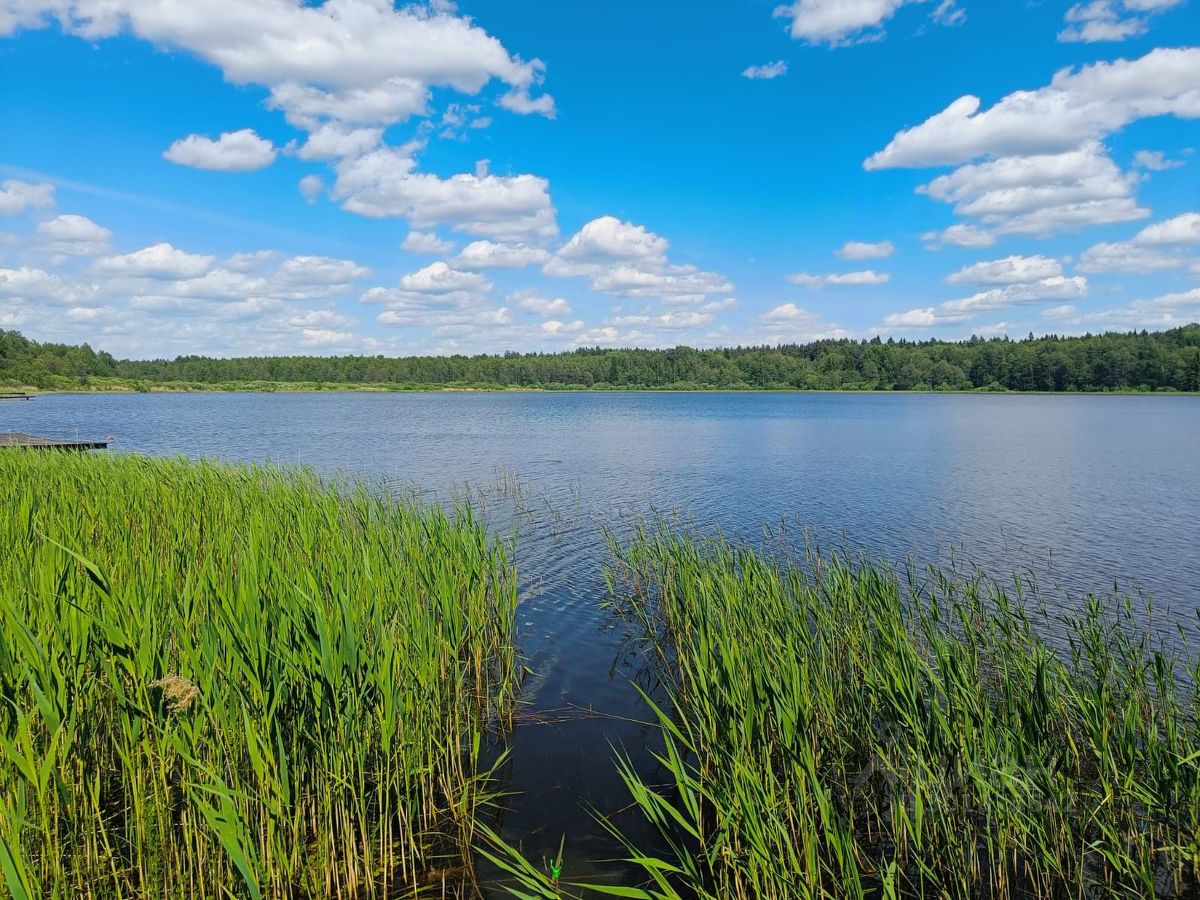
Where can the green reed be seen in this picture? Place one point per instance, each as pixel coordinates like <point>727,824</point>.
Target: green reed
<point>226,680</point>
<point>837,731</point>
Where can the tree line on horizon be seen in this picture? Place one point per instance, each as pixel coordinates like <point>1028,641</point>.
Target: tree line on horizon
<point>1140,360</point>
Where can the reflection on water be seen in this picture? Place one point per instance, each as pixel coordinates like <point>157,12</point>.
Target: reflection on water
<point>1083,491</point>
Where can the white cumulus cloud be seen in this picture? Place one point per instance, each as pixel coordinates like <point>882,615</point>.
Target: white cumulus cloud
<point>353,60</point>
<point>1110,20</point>
<point>18,196</point>
<point>156,261</point>
<point>1075,108</point>
<point>233,151</point>
<point>73,235</point>
<point>1155,161</point>
<point>426,243</point>
<point>815,282</point>
<point>959,235</point>
<point>490,255</point>
<point>1041,194</point>
<point>766,71</point>
<point>1181,229</point>
<point>311,188</point>
<point>385,182</point>
<point>858,250</point>
<point>628,260</point>
<point>840,22</point>
<point>535,303</point>
<point>1010,270</point>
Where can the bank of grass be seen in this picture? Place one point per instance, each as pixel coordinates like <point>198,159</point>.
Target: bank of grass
<point>220,680</point>
<point>836,731</point>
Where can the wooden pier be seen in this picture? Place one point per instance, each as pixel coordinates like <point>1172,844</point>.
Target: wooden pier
<point>32,442</point>
<point>14,395</point>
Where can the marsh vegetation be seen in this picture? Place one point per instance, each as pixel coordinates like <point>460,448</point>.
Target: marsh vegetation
<point>833,729</point>
<point>227,680</point>
<point>230,680</point>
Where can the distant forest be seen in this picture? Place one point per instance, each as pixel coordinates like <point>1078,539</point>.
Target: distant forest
<point>1135,361</point>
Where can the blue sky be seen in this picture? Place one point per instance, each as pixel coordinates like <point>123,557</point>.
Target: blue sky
<point>271,176</point>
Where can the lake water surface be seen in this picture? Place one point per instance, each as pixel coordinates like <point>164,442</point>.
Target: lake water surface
<point>1083,491</point>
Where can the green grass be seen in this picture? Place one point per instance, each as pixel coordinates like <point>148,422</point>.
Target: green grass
<point>837,731</point>
<point>221,680</point>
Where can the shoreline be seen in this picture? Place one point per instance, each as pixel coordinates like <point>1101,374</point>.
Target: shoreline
<point>289,388</point>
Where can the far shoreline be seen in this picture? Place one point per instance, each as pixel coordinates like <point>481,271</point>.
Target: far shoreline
<point>291,388</point>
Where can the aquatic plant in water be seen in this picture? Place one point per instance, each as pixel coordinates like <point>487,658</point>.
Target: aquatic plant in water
<point>228,680</point>
<point>834,730</point>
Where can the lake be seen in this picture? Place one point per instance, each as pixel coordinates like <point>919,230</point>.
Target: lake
<point>1083,492</point>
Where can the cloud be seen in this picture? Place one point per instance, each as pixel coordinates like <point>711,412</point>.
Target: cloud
<point>1075,108</point>
<point>1043,194</point>
<point>607,239</point>
<point>333,140</point>
<point>766,71</point>
<point>233,151</point>
<point>35,285</point>
<point>1042,166</point>
<point>163,297</point>
<point>1057,287</point>
<point>1156,247</point>
<point>158,304</point>
<point>791,324</point>
<point>249,262</point>
<point>630,261</point>
<point>1166,311</point>
<point>157,261</point>
<point>788,312</point>
<point>1110,20</point>
<point>18,196</point>
<point>387,102</point>
<point>440,278</point>
<point>518,100</point>
<point>960,235</point>
<point>342,70</point>
<point>325,336</point>
<point>672,320</point>
<point>439,296</point>
<point>555,327</point>
<point>1155,161</point>
<point>489,255</point>
<point>857,250</point>
<point>539,305</point>
<point>1126,257</point>
<point>815,282</point>
<point>351,60</point>
<point>385,182</point>
<point>1066,311</point>
<point>1182,229</point>
<point>311,188</point>
<point>73,235</point>
<point>1004,296</point>
<point>425,242</point>
<point>841,22</point>
<point>1010,270</point>
<point>920,318</point>
<point>949,13</point>
<point>671,284</point>
<point>320,270</point>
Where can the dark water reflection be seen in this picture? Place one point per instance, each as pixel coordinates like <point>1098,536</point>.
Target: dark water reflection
<point>1084,491</point>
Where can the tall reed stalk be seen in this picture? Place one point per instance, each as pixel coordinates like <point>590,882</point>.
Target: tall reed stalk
<point>220,680</point>
<point>836,731</point>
